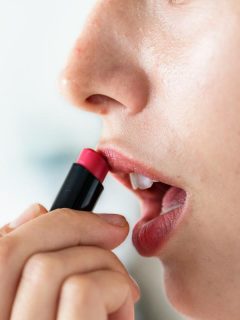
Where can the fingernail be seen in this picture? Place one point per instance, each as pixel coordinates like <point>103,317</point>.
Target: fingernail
<point>25,216</point>
<point>114,219</point>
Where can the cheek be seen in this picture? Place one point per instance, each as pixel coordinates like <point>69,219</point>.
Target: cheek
<point>202,98</point>
<point>202,93</point>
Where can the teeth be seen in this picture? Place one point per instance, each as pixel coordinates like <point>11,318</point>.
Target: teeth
<point>139,181</point>
<point>173,207</point>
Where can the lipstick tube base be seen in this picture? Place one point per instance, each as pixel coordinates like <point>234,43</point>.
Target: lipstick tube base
<point>80,190</point>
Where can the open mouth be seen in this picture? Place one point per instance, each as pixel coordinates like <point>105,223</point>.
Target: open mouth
<point>157,198</point>
<point>162,204</point>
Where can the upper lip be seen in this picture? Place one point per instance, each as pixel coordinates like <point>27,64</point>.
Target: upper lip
<point>122,164</point>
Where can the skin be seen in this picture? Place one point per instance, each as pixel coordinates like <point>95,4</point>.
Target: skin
<point>167,74</point>
<point>71,265</point>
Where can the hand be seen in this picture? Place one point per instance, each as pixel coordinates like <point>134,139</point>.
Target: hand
<point>59,266</point>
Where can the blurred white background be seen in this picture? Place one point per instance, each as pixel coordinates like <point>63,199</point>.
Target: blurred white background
<point>41,134</point>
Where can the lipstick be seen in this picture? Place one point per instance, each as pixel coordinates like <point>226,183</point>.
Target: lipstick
<point>83,186</point>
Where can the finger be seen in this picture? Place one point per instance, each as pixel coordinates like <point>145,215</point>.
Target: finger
<point>52,269</point>
<point>95,296</point>
<point>125,312</point>
<point>35,210</point>
<point>60,229</point>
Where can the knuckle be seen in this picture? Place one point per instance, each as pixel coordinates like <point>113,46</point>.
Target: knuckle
<point>62,215</point>
<point>118,265</point>
<point>130,285</point>
<point>67,213</point>
<point>64,212</point>
<point>81,286</point>
<point>111,259</point>
<point>39,267</point>
<point>114,257</point>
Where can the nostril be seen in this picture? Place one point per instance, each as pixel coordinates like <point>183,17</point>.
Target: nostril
<point>100,103</point>
<point>100,99</point>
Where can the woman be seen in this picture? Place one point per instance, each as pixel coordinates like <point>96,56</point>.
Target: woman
<point>164,77</point>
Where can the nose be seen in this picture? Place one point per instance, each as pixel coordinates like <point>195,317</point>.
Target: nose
<point>104,72</point>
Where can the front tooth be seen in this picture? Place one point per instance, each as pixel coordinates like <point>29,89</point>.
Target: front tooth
<point>133,180</point>
<point>139,181</point>
<point>173,207</point>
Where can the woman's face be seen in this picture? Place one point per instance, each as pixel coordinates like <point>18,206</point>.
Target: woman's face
<point>167,74</point>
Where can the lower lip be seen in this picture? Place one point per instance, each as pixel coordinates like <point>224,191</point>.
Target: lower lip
<point>151,234</point>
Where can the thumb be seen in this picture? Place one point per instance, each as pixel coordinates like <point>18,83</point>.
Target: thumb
<point>32,212</point>
<point>121,230</point>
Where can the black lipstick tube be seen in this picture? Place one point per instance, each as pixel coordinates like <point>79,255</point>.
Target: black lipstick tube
<point>83,186</point>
